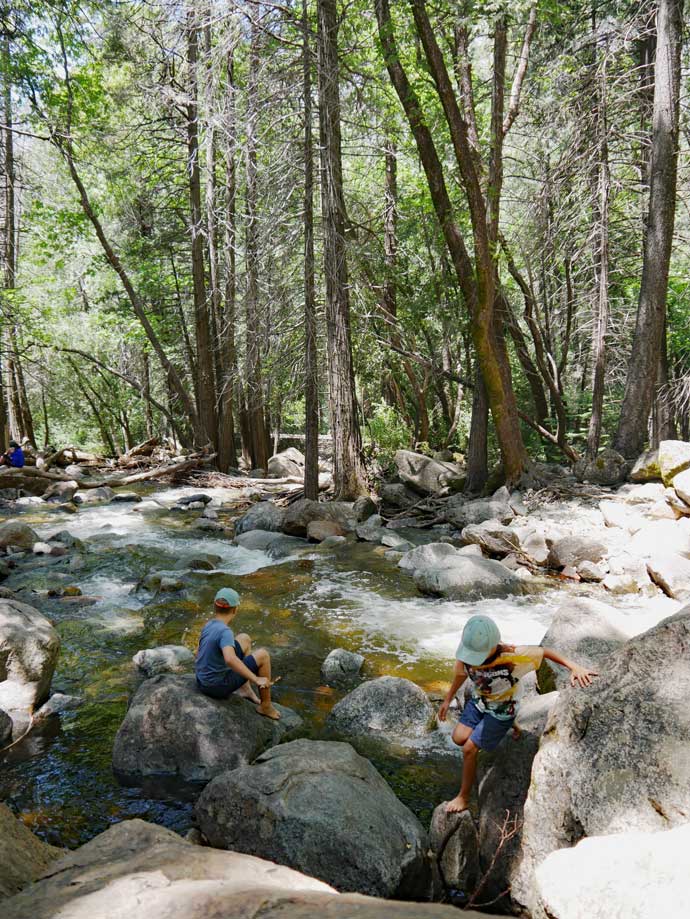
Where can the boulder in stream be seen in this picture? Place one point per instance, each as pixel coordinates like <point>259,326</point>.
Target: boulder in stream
<point>136,870</point>
<point>301,513</point>
<point>29,648</point>
<point>321,808</point>
<point>172,729</point>
<point>613,757</point>
<point>23,857</point>
<point>646,467</point>
<point>341,667</point>
<point>17,534</point>
<point>89,496</point>
<point>388,708</point>
<point>164,659</point>
<point>569,551</point>
<point>674,457</point>
<point>468,578</point>
<point>277,545</point>
<point>264,515</point>
<point>426,475</point>
<point>608,468</point>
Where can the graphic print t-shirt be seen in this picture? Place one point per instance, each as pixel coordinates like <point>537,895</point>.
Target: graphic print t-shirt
<point>496,685</point>
<point>211,668</point>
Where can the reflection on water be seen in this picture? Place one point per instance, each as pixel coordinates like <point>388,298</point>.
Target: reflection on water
<point>60,777</point>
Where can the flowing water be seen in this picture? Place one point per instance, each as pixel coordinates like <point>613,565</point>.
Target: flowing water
<point>59,778</point>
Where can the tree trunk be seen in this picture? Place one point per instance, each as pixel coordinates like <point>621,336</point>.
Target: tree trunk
<point>254,390</point>
<point>311,379</point>
<point>651,312</point>
<point>146,393</point>
<point>348,467</point>
<point>204,346</point>
<point>477,456</point>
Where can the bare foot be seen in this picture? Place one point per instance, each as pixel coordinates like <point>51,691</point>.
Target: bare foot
<point>457,805</point>
<point>269,712</point>
<point>517,731</point>
<point>247,692</point>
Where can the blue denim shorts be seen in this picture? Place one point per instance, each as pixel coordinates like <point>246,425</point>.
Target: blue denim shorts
<point>488,731</point>
<point>231,680</point>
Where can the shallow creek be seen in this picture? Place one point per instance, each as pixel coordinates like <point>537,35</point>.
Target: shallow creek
<point>301,607</point>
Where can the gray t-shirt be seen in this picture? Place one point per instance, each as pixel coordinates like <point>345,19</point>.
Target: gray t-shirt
<point>211,669</point>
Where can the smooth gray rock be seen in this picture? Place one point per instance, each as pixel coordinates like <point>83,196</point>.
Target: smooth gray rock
<point>172,729</point>
<point>613,758</point>
<point>58,703</point>
<point>674,457</point>
<point>397,496</point>
<point>571,550</point>
<point>432,555</point>
<point>277,545</point>
<point>199,498</point>
<point>646,468</point>
<point>88,496</point>
<point>363,508</point>
<point>671,572</point>
<point>468,579</point>
<point>608,468</point>
<point>454,843</point>
<point>318,530</point>
<point>165,581</point>
<point>285,465</point>
<point>66,539</point>
<point>15,533</point>
<point>164,659</point>
<point>321,808</point>
<point>29,648</point>
<point>491,536</point>
<point>388,708</point>
<point>198,561</point>
<point>301,513</point>
<point>341,667</point>
<point>462,513</point>
<point>582,630</point>
<point>23,857</point>
<point>425,475</point>
<point>60,492</point>
<point>681,486</point>
<point>126,497</point>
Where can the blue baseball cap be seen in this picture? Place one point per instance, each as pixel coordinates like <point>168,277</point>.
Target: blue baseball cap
<point>479,637</point>
<point>226,596</point>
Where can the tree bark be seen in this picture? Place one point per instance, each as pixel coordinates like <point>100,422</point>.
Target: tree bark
<point>651,312</point>
<point>348,466</point>
<point>311,379</point>
<point>477,455</point>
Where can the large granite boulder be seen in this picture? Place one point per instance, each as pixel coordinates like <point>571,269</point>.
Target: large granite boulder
<point>397,496</point>
<point>286,464</point>
<point>432,555</point>
<point>632,875</point>
<point>29,648</point>
<point>277,545</point>
<point>454,843</point>
<point>674,457</point>
<point>582,630</point>
<point>570,551</point>
<point>614,757</point>
<point>662,537</point>
<point>301,513</point>
<point>172,729</point>
<point>23,857</point>
<point>681,486</point>
<point>17,534</point>
<point>264,515</point>
<point>646,468</point>
<point>468,578</point>
<point>425,475</point>
<point>90,496</point>
<point>388,708</point>
<point>671,572</point>
<point>608,468</point>
<point>319,807</point>
<point>164,659</point>
<point>135,870</point>
<point>461,512</point>
<point>60,492</point>
<point>492,537</point>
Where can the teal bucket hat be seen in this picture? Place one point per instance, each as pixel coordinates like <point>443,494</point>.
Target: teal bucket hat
<point>226,596</point>
<point>479,637</point>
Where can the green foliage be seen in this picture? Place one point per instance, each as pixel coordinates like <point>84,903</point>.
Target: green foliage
<point>385,433</point>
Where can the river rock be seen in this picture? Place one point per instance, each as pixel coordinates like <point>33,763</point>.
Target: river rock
<point>290,805</point>
<point>426,475</point>
<point>397,496</point>
<point>388,708</point>
<point>66,539</point>
<point>88,496</point>
<point>284,465</point>
<point>60,492</point>
<point>341,667</point>
<point>126,497</point>
<point>533,543</point>
<point>198,498</point>
<point>277,545</point>
<point>468,579</point>
<point>672,574</point>
<point>318,530</point>
<point>661,536</point>
<point>454,843</point>
<point>646,467</point>
<point>171,728</point>
<point>614,757</point>
<point>674,457</point>
<point>372,530</point>
<point>15,533</point>
<point>492,537</point>
<point>571,550</point>
<point>23,857</point>
<point>632,875</point>
<point>164,659</point>
<point>300,514</point>
<point>622,516</point>
<point>503,782</point>
<point>58,703</point>
<point>264,515</point>
<point>198,561</point>
<point>5,728</point>
<point>461,512</point>
<point>432,555</point>
<point>29,648</point>
<point>363,508</point>
<point>608,468</point>
<point>590,571</point>
<point>164,581</point>
<point>583,630</point>
<point>681,486</point>
<point>627,575</point>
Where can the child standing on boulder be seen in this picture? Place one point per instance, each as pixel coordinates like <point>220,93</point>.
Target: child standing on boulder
<point>224,663</point>
<point>495,671</point>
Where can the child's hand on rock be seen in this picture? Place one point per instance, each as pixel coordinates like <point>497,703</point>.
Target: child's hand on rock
<point>581,676</point>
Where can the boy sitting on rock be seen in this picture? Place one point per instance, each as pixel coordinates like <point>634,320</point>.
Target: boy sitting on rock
<point>224,663</point>
<point>495,671</point>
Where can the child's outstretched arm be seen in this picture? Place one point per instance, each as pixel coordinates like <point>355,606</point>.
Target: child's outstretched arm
<point>579,676</point>
<point>459,677</point>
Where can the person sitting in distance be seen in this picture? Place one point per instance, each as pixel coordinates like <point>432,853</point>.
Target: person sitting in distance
<point>225,664</point>
<point>13,456</point>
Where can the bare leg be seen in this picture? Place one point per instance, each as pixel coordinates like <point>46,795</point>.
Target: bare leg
<point>263,659</point>
<point>247,690</point>
<point>469,771</point>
